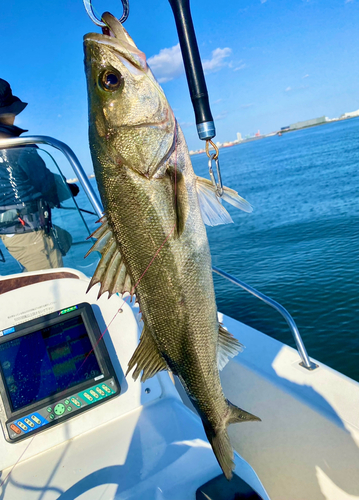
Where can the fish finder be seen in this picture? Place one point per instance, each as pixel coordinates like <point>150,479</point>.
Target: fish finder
<point>51,369</point>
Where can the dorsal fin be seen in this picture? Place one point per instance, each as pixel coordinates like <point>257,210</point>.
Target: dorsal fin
<point>111,271</point>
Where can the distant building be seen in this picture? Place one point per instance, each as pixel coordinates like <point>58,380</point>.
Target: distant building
<point>309,123</point>
<point>351,114</point>
<point>239,137</point>
<point>285,128</point>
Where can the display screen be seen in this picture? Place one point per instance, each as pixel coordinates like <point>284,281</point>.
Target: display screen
<point>47,361</point>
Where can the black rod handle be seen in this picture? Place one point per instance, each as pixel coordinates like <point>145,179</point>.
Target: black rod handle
<point>193,66</point>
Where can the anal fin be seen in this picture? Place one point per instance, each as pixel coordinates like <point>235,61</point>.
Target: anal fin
<point>146,358</point>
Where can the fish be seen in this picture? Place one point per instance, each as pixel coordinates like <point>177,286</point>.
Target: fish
<point>152,238</point>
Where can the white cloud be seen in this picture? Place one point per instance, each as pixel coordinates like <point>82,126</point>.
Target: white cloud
<point>305,76</point>
<point>241,66</point>
<point>296,89</point>
<point>348,1</point>
<point>168,64</point>
<point>187,124</point>
<point>263,1</point>
<point>244,106</point>
<point>216,62</point>
<point>221,115</point>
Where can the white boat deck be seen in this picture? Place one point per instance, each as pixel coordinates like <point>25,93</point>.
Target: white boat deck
<point>144,443</point>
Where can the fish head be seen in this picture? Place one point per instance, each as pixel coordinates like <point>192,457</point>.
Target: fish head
<point>130,120</point>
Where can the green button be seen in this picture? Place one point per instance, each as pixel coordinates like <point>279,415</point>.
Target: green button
<point>59,409</point>
<point>49,409</point>
<point>67,402</point>
<point>52,416</point>
<point>69,408</point>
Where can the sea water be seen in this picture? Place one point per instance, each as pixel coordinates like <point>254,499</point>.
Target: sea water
<point>300,245</point>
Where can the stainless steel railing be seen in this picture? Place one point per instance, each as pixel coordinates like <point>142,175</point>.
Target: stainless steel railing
<point>70,156</point>
<point>306,362</point>
<point>82,177</point>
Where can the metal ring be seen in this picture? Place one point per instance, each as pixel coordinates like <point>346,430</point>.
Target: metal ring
<point>94,19</point>
<point>208,141</point>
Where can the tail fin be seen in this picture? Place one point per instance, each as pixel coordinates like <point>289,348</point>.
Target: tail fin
<point>219,438</point>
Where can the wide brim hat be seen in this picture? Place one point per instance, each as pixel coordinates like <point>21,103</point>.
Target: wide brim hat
<point>9,104</point>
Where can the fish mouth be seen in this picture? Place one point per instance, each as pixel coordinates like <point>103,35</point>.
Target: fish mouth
<point>117,38</point>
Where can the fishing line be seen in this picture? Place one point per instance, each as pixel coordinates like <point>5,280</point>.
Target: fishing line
<point>17,461</point>
<point>119,309</point>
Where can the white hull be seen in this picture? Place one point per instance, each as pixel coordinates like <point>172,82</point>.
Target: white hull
<point>146,444</point>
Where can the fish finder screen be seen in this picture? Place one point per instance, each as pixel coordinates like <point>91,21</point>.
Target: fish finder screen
<point>47,361</point>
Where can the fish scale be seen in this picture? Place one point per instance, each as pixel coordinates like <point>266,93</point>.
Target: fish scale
<point>154,210</point>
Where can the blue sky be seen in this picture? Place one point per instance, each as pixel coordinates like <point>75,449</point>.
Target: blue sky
<point>268,63</point>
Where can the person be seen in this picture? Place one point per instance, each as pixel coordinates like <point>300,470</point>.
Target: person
<point>28,192</point>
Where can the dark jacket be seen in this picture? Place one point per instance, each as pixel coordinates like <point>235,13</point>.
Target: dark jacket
<point>24,178</point>
<point>27,189</point>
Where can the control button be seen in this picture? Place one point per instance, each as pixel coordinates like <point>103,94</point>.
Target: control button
<point>95,395</point>
<point>100,391</point>
<point>49,409</point>
<point>69,408</point>
<point>105,388</point>
<point>15,428</point>
<point>29,423</point>
<point>59,409</point>
<point>35,419</point>
<point>88,397</point>
<point>52,416</point>
<point>76,402</point>
<point>23,426</point>
<point>67,402</point>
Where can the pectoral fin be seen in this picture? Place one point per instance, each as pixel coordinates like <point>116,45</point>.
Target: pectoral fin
<point>179,198</point>
<point>147,358</point>
<point>111,271</point>
<point>228,347</point>
<point>212,210</point>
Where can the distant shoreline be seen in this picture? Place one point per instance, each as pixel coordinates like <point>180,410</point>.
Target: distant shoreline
<point>278,133</point>
<point>75,179</point>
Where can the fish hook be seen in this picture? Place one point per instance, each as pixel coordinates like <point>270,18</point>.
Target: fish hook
<point>94,19</point>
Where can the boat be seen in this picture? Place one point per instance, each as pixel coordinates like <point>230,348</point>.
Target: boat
<point>102,435</point>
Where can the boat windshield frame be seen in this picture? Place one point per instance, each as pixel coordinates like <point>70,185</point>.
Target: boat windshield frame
<point>70,156</point>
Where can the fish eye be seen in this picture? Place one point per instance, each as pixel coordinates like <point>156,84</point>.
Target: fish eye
<point>110,80</point>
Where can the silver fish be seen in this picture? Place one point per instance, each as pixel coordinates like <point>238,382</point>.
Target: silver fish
<point>152,239</point>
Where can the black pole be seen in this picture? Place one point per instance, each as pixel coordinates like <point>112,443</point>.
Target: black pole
<point>193,66</point>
